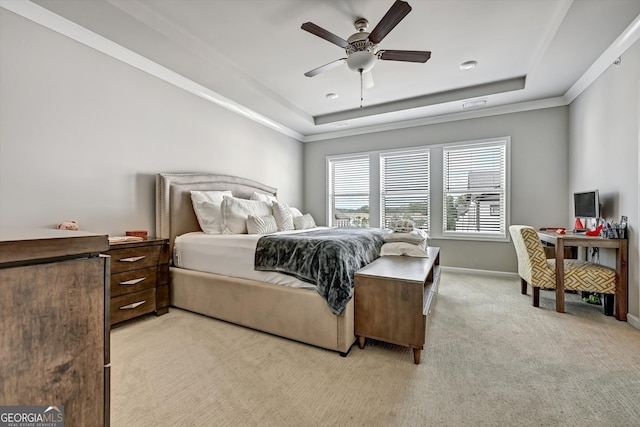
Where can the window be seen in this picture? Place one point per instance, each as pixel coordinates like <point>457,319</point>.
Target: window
<point>454,190</point>
<point>404,187</point>
<point>474,189</point>
<point>348,191</point>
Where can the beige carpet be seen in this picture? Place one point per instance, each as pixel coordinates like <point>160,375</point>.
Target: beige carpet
<point>490,360</point>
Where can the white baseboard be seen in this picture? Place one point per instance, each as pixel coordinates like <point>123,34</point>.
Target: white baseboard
<point>483,272</point>
<point>633,321</point>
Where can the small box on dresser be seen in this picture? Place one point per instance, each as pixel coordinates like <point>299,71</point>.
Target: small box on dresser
<point>139,278</point>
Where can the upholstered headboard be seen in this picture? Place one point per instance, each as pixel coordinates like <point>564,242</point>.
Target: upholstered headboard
<point>174,210</point>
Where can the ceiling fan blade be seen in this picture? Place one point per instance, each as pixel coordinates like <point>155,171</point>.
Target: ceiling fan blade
<point>367,80</point>
<point>322,33</point>
<point>394,15</point>
<point>325,67</point>
<point>405,55</point>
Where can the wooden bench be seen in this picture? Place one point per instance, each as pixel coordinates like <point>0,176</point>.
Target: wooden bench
<point>393,297</point>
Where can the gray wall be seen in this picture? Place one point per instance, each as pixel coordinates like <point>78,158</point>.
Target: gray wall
<point>539,175</point>
<point>604,132</point>
<point>82,136</point>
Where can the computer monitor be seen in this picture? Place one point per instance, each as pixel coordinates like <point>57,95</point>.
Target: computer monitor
<point>586,204</point>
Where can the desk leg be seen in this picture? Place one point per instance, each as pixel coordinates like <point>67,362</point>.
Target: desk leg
<point>620,312</point>
<point>560,275</point>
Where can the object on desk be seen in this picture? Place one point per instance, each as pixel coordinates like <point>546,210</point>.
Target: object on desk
<point>122,239</point>
<point>578,225</point>
<point>614,231</point>
<point>69,225</point>
<point>595,232</point>
<point>561,231</point>
<point>137,233</point>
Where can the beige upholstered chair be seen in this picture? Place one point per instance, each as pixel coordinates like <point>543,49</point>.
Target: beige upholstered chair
<point>537,271</point>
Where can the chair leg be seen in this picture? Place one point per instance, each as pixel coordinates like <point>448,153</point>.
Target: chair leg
<point>523,286</point>
<point>536,297</point>
<point>609,300</point>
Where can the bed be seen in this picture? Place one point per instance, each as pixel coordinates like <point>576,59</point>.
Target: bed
<point>294,312</point>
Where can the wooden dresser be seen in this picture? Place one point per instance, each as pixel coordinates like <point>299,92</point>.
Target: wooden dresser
<point>54,323</point>
<point>393,298</point>
<point>139,278</point>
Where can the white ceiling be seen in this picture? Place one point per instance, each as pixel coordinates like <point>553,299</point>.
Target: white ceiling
<point>530,53</point>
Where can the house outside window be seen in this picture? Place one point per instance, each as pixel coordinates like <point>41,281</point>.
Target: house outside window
<point>348,186</point>
<point>475,189</point>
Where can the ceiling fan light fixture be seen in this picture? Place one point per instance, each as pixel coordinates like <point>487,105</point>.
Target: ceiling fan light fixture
<point>361,61</point>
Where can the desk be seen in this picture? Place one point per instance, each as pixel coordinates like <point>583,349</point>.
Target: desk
<point>620,245</point>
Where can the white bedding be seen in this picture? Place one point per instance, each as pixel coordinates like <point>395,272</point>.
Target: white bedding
<point>228,255</point>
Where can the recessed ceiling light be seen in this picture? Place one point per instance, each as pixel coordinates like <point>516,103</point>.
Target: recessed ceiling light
<point>468,65</point>
<point>331,95</point>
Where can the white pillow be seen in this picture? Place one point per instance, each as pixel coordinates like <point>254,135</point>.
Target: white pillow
<point>262,197</point>
<point>295,211</point>
<point>261,224</point>
<point>236,211</point>
<point>303,222</point>
<point>415,236</point>
<point>206,205</point>
<point>403,248</point>
<point>284,219</point>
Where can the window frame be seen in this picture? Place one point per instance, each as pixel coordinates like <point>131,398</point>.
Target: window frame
<point>330,215</point>
<point>502,235</point>
<point>404,152</point>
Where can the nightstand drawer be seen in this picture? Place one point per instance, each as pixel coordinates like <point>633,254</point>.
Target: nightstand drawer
<point>128,282</point>
<point>132,305</point>
<point>134,258</point>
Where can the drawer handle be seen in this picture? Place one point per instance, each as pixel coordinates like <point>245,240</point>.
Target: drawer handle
<point>132,281</point>
<point>133,259</point>
<point>132,305</point>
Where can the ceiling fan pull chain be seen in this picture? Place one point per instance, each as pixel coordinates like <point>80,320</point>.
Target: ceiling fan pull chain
<point>361,88</point>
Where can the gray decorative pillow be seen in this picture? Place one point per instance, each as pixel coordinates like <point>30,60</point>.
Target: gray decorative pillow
<point>283,216</point>
<point>261,224</point>
<point>303,222</point>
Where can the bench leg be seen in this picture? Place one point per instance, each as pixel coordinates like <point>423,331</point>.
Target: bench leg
<point>523,286</point>
<point>536,297</point>
<point>416,355</point>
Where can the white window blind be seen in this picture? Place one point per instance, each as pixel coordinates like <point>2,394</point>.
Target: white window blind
<point>404,187</point>
<point>349,191</point>
<point>474,189</point>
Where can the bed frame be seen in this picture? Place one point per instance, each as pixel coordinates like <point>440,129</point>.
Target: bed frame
<point>298,314</point>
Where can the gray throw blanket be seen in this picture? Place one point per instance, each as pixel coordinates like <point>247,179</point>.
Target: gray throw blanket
<point>328,258</point>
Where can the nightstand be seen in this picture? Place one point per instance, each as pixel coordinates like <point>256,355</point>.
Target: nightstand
<point>139,278</point>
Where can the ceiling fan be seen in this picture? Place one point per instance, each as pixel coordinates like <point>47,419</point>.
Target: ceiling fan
<point>362,47</point>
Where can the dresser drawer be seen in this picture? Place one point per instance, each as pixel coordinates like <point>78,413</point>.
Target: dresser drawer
<point>134,258</point>
<point>133,281</point>
<point>128,306</point>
